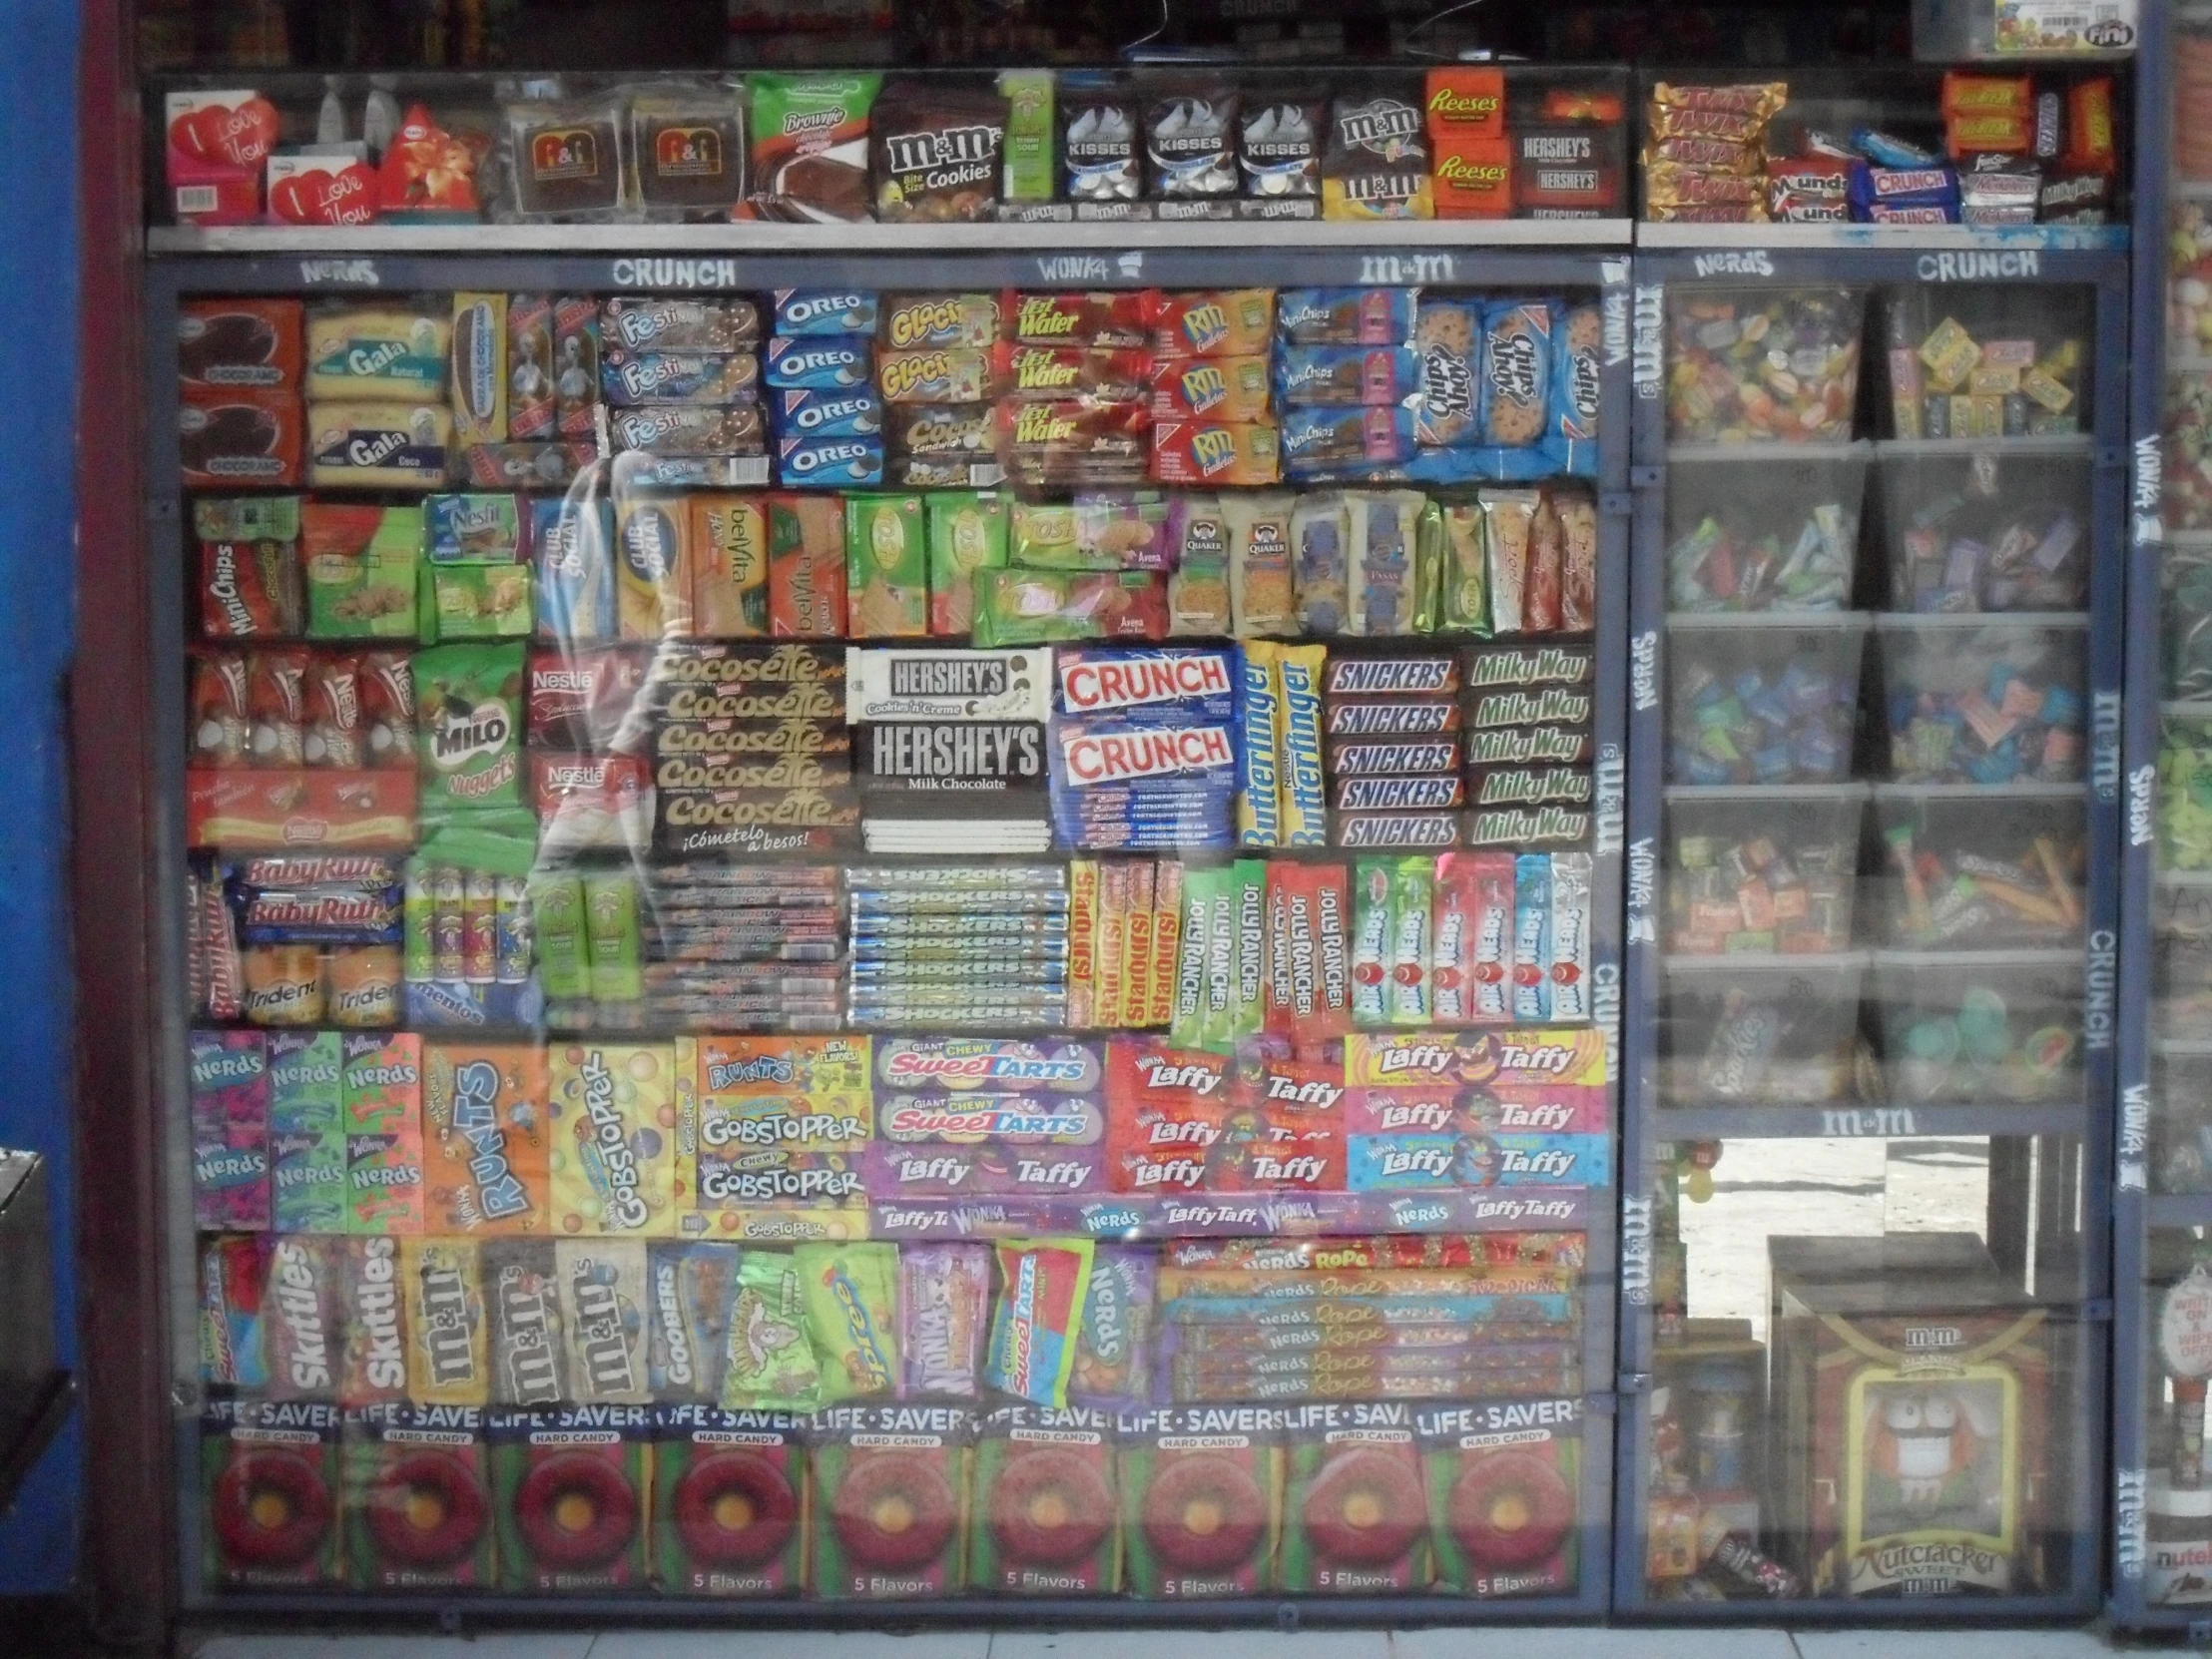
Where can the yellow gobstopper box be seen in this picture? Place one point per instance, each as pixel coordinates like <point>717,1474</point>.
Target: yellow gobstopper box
<point>611,1111</point>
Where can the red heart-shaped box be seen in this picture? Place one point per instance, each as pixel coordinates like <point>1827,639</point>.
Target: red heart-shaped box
<point>311,195</point>
<point>239,134</point>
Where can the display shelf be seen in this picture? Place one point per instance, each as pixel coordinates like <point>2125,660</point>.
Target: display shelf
<point>1887,238</point>
<point>1857,1121</point>
<point>1137,1217</point>
<point>761,237</point>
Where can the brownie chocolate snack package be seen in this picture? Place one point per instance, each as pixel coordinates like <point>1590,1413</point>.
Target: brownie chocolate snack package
<point>937,152</point>
<point>809,146</point>
<point>1377,164</point>
<point>1100,165</point>
<point>1190,138</point>
<point>1280,138</point>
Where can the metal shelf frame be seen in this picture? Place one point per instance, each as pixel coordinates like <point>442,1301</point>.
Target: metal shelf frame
<point>657,260</point>
<point>1865,256</point>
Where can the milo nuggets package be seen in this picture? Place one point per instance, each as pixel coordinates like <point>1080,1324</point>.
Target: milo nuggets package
<point>611,1112</point>
<point>468,701</point>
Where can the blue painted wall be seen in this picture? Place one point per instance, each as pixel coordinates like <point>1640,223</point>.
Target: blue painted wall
<point>38,274</point>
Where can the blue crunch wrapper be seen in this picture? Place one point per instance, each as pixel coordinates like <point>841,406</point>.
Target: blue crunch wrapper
<point>804,412</point>
<point>1884,150</point>
<point>1494,467</point>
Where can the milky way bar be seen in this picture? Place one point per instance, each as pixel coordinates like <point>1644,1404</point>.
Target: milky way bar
<point>1382,718</point>
<point>1529,826</point>
<point>1531,786</point>
<point>1425,675</point>
<point>1408,758</point>
<point>1414,832</point>
<point>1547,706</point>
<point>1529,665</point>
<point>1529,745</point>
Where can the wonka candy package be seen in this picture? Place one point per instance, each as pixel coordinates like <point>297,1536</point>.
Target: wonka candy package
<point>418,1499</point>
<point>569,1494</point>
<point>484,1138</point>
<point>269,1471</point>
<point>230,1129</point>
<point>944,1292</point>
<point>1501,1481</point>
<point>1354,1511</point>
<point>1046,1503</point>
<point>1199,1514</point>
<point>728,1501</point>
<point>1113,1343</point>
<point>611,1120</point>
<point>380,1084</point>
<point>891,1500</point>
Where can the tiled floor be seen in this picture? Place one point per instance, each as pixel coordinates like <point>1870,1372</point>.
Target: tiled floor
<point>1169,1644</point>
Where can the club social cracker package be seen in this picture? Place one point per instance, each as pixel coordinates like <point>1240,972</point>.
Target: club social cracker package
<point>1354,1511</point>
<point>417,1499</point>
<point>306,1132</point>
<point>484,1138</point>
<point>269,1472</point>
<point>569,1493</point>
<point>1502,1480</point>
<point>1198,1504</point>
<point>1045,1504</point>
<point>611,1119</point>
<point>381,1091</point>
<point>442,1292</point>
<point>891,1500</point>
<point>728,1501</point>
<point>230,1129</point>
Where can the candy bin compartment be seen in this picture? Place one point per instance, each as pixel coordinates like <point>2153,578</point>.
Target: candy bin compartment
<point>1749,530</point>
<point>1753,701</point>
<point>1760,1031</point>
<point>2185,462</point>
<point>2181,956</point>
<point>2186,611</point>
<point>1979,1026</point>
<point>2000,527</point>
<point>1961,866</point>
<point>1763,365</point>
<point>2185,786</point>
<point>1987,363</point>
<point>2181,1128</point>
<point>1969,700</point>
<point>1762,871</point>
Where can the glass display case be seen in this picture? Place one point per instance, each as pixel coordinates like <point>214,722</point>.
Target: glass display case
<point>923,933</point>
<point>1873,892</point>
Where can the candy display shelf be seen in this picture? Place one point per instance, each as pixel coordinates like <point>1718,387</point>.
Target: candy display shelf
<point>1537,1212</point>
<point>1868,1084</point>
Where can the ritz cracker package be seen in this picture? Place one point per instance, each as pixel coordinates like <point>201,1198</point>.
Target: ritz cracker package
<point>728,1498</point>
<point>891,1500</point>
<point>1201,1499</point>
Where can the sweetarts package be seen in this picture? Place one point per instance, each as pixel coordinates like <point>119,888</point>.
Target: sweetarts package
<point>1042,1283</point>
<point>1144,751</point>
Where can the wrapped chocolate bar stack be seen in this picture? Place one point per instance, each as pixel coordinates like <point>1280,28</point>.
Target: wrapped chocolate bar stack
<point>1705,151</point>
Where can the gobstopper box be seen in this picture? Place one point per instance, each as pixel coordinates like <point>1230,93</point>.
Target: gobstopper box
<point>891,1500</point>
<point>1201,1499</point>
<point>269,1471</point>
<point>418,1505</point>
<point>1045,1505</point>
<point>569,1495</point>
<point>1913,1385</point>
<point>729,1501</point>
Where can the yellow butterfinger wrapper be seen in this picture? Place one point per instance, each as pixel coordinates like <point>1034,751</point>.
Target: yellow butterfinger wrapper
<point>611,1108</point>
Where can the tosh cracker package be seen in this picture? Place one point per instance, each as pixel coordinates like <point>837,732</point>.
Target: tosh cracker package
<point>891,1500</point>
<point>569,1493</point>
<point>728,1498</point>
<point>1501,1481</point>
<point>1200,1503</point>
<point>418,1502</point>
<point>484,1138</point>
<point>1355,1514</point>
<point>611,1113</point>
<point>1045,1504</point>
<point>269,1478</point>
